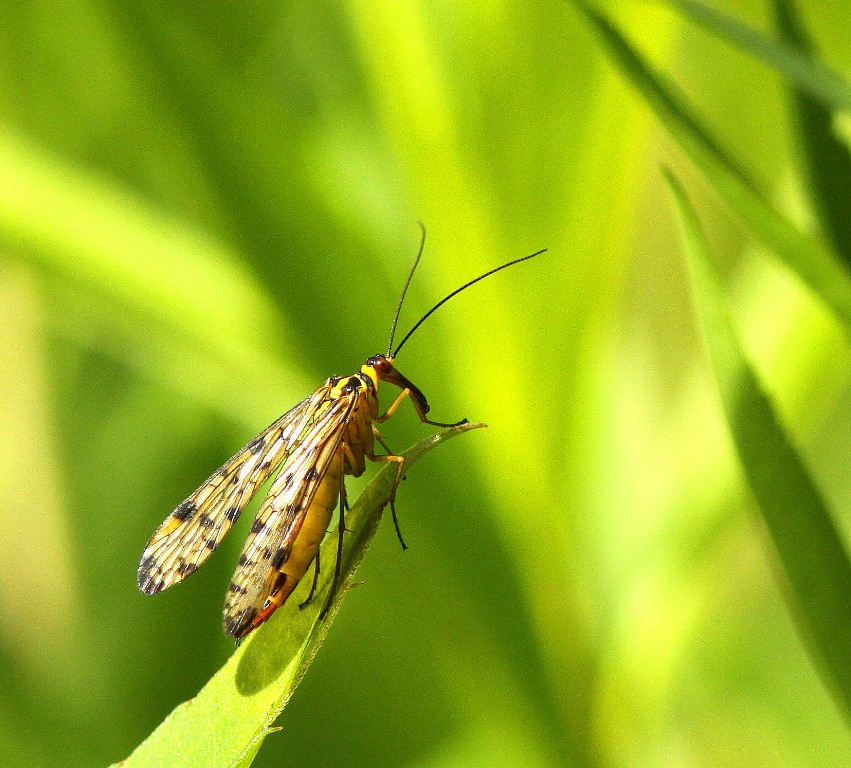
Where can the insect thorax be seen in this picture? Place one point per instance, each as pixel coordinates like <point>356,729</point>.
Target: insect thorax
<point>346,386</point>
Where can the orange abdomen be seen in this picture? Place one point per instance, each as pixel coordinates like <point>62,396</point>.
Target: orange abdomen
<point>306,544</point>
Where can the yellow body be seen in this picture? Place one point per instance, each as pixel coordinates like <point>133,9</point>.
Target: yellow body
<point>349,459</point>
<point>315,525</point>
<point>306,546</point>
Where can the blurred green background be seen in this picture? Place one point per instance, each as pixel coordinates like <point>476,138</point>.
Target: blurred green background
<point>207,209</point>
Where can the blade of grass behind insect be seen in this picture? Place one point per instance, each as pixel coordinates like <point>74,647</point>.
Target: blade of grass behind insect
<point>813,262</point>
<point>815,566</point>
<point>177,304</point>
<point>234,712</point>
<point>816,92</point>
<point>826,163</point>
<point>789,59</point>
<point>94,233</point>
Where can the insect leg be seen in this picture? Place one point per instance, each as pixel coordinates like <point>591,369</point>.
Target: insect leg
<point>309,599</point>
<point>341,529</point>
<point>391,409</point>
<point>440,423</point>
<point>400,465</point>
<point>377,435</point>
<point>420,412</point>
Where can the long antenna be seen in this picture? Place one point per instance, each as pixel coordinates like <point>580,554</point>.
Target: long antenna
<point>405,288</point>
<point>455,293</point>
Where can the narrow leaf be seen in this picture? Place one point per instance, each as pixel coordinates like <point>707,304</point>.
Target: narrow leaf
<point>791,61</point>
<point>815,566</point>
<point>814,263</point>
<point>668,102</point>
<point>225,724</point>
<point>131,256</point>
<point>825,162</point>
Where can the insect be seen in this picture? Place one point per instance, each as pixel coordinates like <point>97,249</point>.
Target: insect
<point>313,446</point>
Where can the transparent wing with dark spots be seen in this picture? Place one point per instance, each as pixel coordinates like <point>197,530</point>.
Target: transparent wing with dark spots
<point>279,518</point>
<point>196,527</point>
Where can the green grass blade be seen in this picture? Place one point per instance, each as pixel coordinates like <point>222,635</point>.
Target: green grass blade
<point>817,91</point>
<point>90,232</point>
<point>826,163</point>
<point>178,304</point>
<point>789,60</point>
<point>669,103</point>
<point>228,720</point>
<point>813,262</point>
<point>815,564</point>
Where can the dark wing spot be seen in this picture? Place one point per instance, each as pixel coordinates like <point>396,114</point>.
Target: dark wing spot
<point>238,626</point>
<point>267,553</point>
<point>288,480</point>
<point>206,521</point>
<point>311,474</point>
<point>185,511</point>
<point>232,514</point>
<point>280,580</point>
<point>257,445</point>
<point>243,560</point>
<point>237,589</point>
<point>186,568</point>
<point>280,557</point>
<point>145,575</point>
<point>211,543</point>
<point>258,525</point>
<point>266,464</point>
<point>147,565</point>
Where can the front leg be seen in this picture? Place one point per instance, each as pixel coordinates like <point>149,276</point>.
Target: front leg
<point>420,412</point>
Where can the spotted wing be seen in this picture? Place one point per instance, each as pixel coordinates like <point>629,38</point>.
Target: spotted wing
<point>190,533</point>
<point>279,518</point>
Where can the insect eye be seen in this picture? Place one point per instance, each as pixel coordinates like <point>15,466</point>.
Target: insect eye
<point>380,363</point>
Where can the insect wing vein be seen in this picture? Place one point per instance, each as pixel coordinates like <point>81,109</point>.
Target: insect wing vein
<point>279,518</point>
<point>196,527</point>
